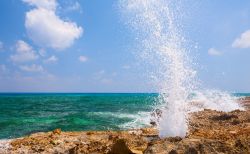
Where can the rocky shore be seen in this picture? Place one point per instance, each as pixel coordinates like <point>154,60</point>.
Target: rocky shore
<point>209,132</point>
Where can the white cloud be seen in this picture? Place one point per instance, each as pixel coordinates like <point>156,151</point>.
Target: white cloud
<point>42,52</point>
<point>82,58</point>
<point>47,29</point>
<point>47,4</point>
<point>32,68</point>
<point>24,52</point>
<point>51,59</point>
<point>243,41</point>
<point>214,52</point>
<point>74,7</point>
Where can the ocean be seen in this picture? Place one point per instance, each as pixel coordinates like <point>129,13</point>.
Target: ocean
<point>25,113</point>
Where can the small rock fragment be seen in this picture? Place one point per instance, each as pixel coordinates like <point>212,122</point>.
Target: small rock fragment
<point>57,131</point>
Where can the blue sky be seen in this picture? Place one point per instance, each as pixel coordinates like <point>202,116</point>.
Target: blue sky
<point>84,46</point>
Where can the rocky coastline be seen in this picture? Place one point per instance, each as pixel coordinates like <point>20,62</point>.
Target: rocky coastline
<point>210,131</point>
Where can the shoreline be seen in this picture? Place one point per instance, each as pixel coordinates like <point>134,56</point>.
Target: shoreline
<point>210,131</point>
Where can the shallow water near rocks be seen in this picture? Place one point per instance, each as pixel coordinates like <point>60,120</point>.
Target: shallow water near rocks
<point>23,114</point>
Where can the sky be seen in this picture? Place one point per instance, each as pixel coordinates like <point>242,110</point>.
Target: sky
<point>84,46</point>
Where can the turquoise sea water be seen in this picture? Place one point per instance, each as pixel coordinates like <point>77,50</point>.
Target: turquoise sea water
<point>23,114</point>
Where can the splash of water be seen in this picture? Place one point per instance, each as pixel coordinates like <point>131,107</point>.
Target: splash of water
<point>158,27</point>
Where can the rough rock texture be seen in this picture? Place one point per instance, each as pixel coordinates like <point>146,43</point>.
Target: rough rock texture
<point>133,141</point>
<point>209,132</point>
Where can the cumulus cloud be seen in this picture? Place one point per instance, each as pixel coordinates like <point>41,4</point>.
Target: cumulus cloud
<point>24,52</point>
<point>51,59</point>
<point>214,52</point>
<point>83,58</point>
<point>47,29</point>
<point>32,68</point>
<point>243,41</point>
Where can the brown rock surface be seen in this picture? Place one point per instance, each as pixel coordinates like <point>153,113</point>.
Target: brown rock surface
<point>120,147</point>
<point>133,141</point>
<point>209,132</point>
